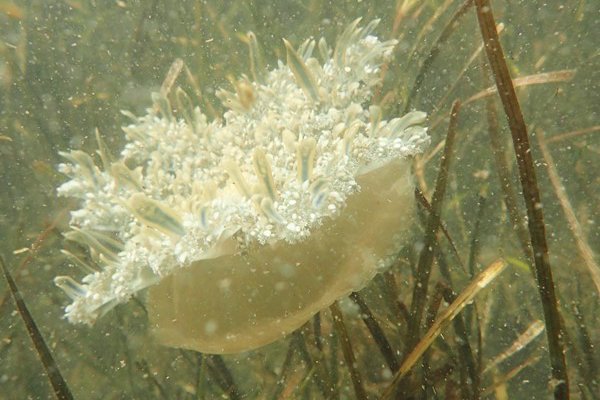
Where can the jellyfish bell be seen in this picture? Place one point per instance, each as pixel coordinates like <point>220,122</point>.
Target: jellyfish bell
<point>242,301</point>
<point>240,230</point>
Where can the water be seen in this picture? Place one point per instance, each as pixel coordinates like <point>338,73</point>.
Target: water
<point>69,68</point>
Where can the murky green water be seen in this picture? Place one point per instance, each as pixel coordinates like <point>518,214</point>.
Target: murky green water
<point>68,68</point>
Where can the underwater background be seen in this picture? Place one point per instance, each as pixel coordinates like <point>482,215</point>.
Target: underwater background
<point>67,68</point>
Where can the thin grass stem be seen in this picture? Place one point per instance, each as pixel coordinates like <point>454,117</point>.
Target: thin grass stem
<point>59,385</point>
<point>465,297</point>
<point>531,194</point>
<point>349,357</point>
<point>430,243</point>
<point>377,332</point>
<point>435,51</point>
<point>585,251</point>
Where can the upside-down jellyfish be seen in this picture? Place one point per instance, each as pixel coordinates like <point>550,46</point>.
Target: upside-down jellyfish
<point>244,227</point>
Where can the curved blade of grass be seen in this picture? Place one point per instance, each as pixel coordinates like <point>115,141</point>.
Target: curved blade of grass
<point>523,81</point>
<point>501,380</point>
<point>466,296</point>
<point>524,339</point>
<point>61,390</point>
<point>564,75</point>
<point>572,134</point>
<point>585,251</point>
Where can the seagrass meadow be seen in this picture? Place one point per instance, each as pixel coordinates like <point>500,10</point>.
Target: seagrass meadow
<point>426,171</point>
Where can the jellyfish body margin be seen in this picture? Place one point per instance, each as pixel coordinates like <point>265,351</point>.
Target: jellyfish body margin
<point>239,230</point>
